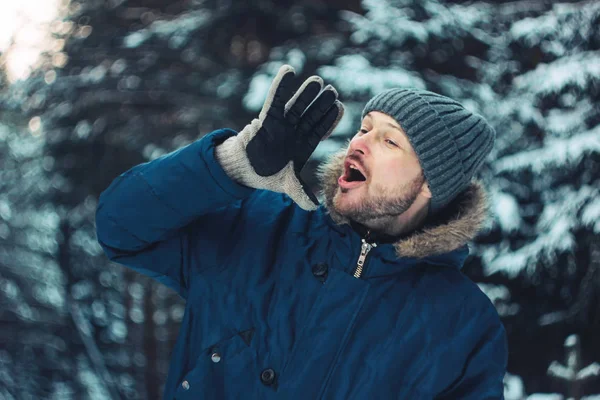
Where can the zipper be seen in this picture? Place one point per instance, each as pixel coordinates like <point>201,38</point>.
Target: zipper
<point>365,248</point>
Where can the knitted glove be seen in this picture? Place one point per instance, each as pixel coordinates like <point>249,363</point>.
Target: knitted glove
<point>270,152</point>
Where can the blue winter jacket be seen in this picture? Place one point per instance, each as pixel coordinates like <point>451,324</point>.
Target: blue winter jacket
<point>273,307</point>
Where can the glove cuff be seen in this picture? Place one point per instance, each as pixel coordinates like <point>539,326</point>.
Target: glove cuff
<point>231,155</point>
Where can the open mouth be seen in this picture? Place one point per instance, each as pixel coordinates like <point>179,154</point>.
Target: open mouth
<point>354,175</point>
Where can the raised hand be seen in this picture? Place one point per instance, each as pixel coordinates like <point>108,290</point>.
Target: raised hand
<point>270,152</point>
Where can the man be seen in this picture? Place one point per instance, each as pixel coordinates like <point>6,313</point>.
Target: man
<point>359,298</point>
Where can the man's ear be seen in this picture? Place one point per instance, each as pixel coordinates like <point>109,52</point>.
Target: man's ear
<point>425,191</point>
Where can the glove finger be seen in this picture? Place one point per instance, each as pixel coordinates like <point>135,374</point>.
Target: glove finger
<point>279,92</point>
<point>302,98</point>
<point>316,111</point>
<point>307,144</point>
<point>326,126</point>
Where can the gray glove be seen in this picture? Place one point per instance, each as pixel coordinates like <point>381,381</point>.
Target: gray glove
<point>270,152</point>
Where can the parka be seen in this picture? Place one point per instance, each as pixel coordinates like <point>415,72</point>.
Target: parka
<point>284,303</point>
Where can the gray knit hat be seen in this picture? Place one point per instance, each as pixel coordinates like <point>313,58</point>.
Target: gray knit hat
<point>450,141</point>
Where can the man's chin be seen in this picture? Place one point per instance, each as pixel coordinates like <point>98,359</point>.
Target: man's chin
<point>342,202</point>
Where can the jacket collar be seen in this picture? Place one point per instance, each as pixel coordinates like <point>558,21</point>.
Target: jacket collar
<point>447,231</point>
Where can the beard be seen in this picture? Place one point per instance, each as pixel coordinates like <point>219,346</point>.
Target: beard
<point>384,206</point>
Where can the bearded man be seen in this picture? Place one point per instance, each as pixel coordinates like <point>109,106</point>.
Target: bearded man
<point>286,298</point>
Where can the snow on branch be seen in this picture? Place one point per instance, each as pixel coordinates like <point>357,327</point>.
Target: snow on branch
<point>505,210</point>
<point>580,69</point>
<point>354,74</point>
<point>177,29</point>
<point>386,22</point>
<point>562,22</point>
<point>556,153</point>
<point>393,23</point>
<point>564,122</point>
<point>555,233</point>
<point>590,215</point>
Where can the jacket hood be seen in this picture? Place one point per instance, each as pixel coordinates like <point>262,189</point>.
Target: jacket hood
<point>446,231</point>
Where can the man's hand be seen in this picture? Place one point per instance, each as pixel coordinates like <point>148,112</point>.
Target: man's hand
<point>270,152</point>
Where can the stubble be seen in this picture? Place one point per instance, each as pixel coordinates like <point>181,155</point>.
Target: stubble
<point>385,205</point>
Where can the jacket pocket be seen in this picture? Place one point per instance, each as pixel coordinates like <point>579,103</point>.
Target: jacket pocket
<point>208,378</point>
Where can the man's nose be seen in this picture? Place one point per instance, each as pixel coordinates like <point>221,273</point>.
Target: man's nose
<point>360,144</point>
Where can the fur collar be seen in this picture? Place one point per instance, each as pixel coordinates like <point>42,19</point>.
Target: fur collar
<point>450,229</point>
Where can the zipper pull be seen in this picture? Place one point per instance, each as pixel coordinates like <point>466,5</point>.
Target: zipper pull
<point>365,248</point>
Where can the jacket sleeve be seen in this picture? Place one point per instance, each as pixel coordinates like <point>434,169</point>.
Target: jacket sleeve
<point>141,217</point>
<point>482,377</point>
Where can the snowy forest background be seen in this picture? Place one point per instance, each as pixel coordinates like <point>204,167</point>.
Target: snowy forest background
<point>120,82</point>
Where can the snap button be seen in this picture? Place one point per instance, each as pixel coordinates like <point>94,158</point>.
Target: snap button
<point>267,376</point>
<point>215,357</point>
<point>319,270</point>
<point>185,385</point>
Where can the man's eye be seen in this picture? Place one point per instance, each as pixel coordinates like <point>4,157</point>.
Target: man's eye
<point>362,130</point>
<point>391,142</point>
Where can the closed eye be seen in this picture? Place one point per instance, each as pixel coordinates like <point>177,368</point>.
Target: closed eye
<point>391,142</point>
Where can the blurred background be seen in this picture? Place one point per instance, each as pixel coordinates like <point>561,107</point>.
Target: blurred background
<point>90,88</point>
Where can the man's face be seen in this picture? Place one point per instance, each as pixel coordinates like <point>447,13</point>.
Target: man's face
<point>389,176</point>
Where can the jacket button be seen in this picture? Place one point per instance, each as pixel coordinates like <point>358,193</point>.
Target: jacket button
<point>185,385</point>
<point>215,357</point>
<point>267,376</point>
<point>319,270</point>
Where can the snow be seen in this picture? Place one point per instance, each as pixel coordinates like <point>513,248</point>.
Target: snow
<point>95,387</point>
<point>118,330</point>
<point>296,58</point>
<point>587,372</point>
<point>97,74</point>
<point>513,387</point>
<point>5,210</point>
<point>530,30</point>
<point>394,24</point>
<point>354,75</point>
<point>554,233</point>
<point>571,340</point>
<point>136,39</point>
<point>506,210</point>
<point>563,122</point>
<point>86,242</point>
<point>118,67</point>
<point>499,295</point>
<point>257,92</point>
<point>177,29</point>
<point>385,22</point>
<point>556,153</point>
<point>590,215</point>
<point>579,70</point>
<point>552,318</point>
<point>574,19</point>
<point>52,295</point>
<point>83,129</point>
<point>545,396</point>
